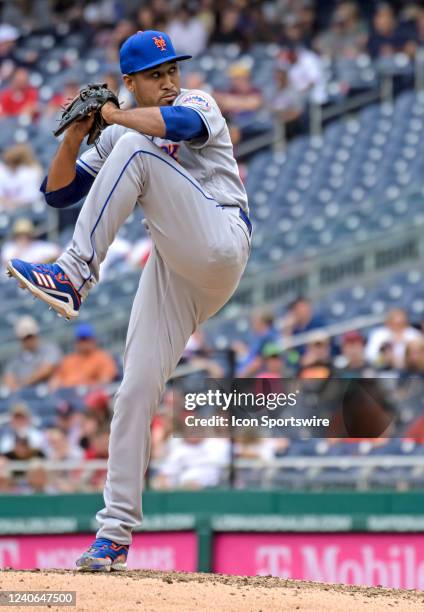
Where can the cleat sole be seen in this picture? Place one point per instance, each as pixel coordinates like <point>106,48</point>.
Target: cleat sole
<point>118,567</point>
<point>99,567</point>
<point>63,310</point>
<point>93,568</point>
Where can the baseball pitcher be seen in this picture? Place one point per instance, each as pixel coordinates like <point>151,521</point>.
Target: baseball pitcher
<point>172,155</point>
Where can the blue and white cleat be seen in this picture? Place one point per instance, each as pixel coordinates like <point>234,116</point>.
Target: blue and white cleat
<point>104,556</point>
<point>49,283</point>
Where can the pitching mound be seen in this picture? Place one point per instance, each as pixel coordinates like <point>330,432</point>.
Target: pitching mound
<point>147,591</point>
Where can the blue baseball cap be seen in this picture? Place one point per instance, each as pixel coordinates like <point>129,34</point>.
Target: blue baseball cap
<point>146,50</point>
<point>83,331</point>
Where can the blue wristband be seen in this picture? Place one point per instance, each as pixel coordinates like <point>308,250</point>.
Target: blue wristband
<point>72,193</point>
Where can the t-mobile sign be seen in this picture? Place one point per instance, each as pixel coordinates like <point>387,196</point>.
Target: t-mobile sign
<point>395,560</point>
<point>158,551</point>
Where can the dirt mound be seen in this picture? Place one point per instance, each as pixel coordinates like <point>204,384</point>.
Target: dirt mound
<point>147,591</point>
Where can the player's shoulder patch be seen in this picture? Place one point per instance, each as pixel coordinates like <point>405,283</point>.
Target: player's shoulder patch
<point>195,98</point>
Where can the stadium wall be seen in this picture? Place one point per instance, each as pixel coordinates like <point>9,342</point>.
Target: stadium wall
<point>374,538</point>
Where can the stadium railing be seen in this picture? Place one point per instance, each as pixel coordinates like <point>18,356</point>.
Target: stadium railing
<point>82,470</point>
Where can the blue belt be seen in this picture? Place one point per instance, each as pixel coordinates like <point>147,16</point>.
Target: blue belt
<point>242,215</point>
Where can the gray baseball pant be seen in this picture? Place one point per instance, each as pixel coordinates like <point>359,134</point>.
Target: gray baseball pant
<point>199,254</point>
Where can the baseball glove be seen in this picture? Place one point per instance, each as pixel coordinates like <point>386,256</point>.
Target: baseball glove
<point>89,100</point>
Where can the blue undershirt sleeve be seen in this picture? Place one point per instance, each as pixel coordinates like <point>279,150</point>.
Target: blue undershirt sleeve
<point>182,123</point>
<point>72,193</point>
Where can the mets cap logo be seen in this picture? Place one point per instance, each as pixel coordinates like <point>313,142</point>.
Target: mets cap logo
<point>160,42</point>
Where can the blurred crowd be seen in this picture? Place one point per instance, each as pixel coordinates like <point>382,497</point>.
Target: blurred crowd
<point>293,346</point>
<point>25,243</point>
<point>392,348</point>
<point>333,27</point>
<point>307,38</point>
<point>73,435</point>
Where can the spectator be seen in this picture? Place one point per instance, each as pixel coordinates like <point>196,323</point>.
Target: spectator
<point>347,36</point>
<point>6,484</point>
<point>264,332</point>
<point>293,30</point>
<point>286,102</point>
<point>308,17</point>
<point>68,421</point>
<point>397,333</point>
<point>123,30</point>
<point>20,427</point>
<point>20,178</point>
<point>102,12</point>
<point>87,365</point>
<point>418,39</point>
<point>272,363</point>
<point>316,360</point>
<point>387,38</point>
<point>22,450</point>
<point>416,431</point>
<point>99,447</point>
<point>300,319</point>
<point>386,361</point>
<point>20,98</point>
<point>414,357</point>
<point>161,9</point>
<point>37,480</point>
<point>63,98</point>
<point>89,428</point>
<point>196,80</point>
<point>58,446</point>
<point>35,362</point>
<point>206,15</point>
<point>248,445</point>
<point>255,26</point>
<point>162,423</point>
<point>193,463</point>
<point>352,361</point>
<point>198,354</point>
<point>236,138</point>
<point>306,74</point>
<point>242,101</point>
<point>230,29</point>
<point>8,37</point>
<point>146,18</point>
<point>98,400</point>
<point>94,439</point>
<point>24,246</point>
<point>187,32</point>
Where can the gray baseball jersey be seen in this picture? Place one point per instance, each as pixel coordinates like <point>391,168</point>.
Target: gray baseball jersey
<point>200,251</point>
<point>210,161</point>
